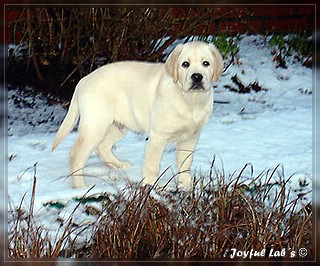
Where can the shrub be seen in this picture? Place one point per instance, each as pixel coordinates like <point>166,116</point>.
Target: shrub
<point>65,44</point>
<point>296,45</point>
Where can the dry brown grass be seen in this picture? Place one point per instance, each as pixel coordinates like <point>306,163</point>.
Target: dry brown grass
<point>141,223</point>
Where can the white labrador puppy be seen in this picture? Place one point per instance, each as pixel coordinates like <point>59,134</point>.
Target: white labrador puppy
<point>171,102</point>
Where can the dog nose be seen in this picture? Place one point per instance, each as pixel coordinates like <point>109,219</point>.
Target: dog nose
<point>196,77</point>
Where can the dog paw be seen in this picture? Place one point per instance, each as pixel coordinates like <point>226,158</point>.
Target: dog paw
<point>82,186</point>
<point>184,188</point>
<point>185,183</point>
<point>118,165</point>
<point>78,183</point>
<point>149,182</point>
<point>124,165</point>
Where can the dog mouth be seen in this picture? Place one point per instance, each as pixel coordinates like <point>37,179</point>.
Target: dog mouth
<point>197,86</point>
<point>197,82</point>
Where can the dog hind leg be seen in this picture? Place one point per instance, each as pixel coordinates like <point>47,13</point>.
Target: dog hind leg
<point>114,133</point>
<point>88,139</point>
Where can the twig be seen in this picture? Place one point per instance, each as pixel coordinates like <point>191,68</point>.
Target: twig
<point>33,195</point>
<point>75,69</point>
<point>31,46</point>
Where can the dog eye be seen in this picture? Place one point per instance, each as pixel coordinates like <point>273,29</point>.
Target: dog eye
<point>206,63</point>
<point>185,64</point>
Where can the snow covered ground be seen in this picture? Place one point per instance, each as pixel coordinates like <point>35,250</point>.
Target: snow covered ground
<point>266,128</point>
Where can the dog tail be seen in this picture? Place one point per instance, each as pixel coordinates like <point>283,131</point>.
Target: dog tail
<point>68,123</point>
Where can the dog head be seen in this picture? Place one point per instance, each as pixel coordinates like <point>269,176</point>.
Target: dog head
<point>194,65</point>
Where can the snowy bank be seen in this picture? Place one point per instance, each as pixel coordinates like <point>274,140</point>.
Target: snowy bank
<point>265,128</point>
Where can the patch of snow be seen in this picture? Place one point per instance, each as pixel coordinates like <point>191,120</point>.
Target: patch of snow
<point>263,128</point>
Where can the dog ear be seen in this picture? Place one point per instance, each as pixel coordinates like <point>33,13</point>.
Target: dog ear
<point>172,62</point>
<point>218,63</point>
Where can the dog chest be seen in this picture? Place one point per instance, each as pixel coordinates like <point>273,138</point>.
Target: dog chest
<point>182,126</point>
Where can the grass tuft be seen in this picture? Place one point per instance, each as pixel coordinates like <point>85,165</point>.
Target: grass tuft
<point>239,211</point>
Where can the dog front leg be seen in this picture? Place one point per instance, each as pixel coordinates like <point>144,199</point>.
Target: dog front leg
<point>154,150</point>
<point>185,152</point>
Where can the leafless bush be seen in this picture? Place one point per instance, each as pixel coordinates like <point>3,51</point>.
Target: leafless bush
<point>64,44</point>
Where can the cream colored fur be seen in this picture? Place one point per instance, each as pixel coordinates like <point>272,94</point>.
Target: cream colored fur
<point>165,100</point>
